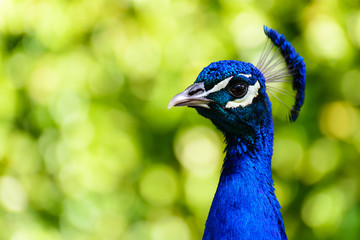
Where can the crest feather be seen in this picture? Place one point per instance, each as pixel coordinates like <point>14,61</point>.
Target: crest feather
<point>270,65</point>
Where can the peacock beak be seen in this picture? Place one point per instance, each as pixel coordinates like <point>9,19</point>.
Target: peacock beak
<point>193,96</point>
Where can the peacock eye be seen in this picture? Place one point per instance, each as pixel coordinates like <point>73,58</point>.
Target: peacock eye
<point>238,90</point>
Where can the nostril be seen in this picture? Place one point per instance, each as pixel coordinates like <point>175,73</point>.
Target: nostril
<point>196,91</point>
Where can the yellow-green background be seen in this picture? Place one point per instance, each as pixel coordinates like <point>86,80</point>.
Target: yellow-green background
<point>88,149</point>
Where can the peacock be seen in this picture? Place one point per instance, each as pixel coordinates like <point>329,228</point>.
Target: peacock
<point>233,95</point>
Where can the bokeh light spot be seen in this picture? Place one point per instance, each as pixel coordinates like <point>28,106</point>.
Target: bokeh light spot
<point>21,146</point>
<point>287,156</point>
<point>159,185</point>
<point>69,107</point>
<point>142,57</point>
<point>339,120</point>
<point>81,213</point>
<point>326,39</point>
<point>323,210</point>
<point>78,135</point>
<point>44,83</point>
<point>324,155</point>
<point>353,27</point>
<point>316,210</point>
<point>170,228</point>
<point>198,149</point>
<point>245,29</point>
<point>12,194</point>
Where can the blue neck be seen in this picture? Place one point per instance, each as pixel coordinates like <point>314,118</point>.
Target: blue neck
<point>245,206</point>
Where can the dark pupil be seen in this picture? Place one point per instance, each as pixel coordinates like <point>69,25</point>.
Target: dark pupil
<point>238,90</point>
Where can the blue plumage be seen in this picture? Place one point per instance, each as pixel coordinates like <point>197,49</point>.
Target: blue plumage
<point>232,94</point>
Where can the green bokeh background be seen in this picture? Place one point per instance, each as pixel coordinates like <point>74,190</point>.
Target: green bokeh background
<point>88,149</point>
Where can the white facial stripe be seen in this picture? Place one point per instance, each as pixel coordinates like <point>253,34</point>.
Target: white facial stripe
<point>220,85</point>
<point>223,84</point>
<point>253,91</point>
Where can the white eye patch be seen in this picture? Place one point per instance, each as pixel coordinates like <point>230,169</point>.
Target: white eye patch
<point>223,84</point>
<point>252,92</point>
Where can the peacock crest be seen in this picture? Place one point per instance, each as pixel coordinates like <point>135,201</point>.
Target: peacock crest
<point>283,65</point>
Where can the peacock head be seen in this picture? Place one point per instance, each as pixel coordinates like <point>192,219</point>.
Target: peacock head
<point>231,94</point>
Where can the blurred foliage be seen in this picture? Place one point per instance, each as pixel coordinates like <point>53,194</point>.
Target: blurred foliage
<point>88,149</point>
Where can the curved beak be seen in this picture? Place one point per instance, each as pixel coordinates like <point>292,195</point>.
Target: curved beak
<point>193,96</point>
